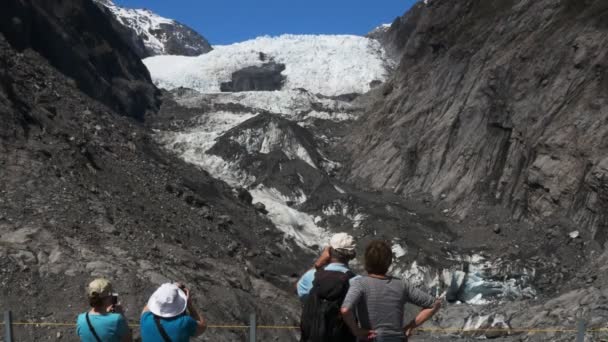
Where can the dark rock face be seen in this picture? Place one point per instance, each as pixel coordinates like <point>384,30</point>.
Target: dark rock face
<point>128,34</point>
<point>151,35</point>
<point>79,40</point>
<point>398,34</point>
<point>182,40</point>
<point>85,192</point>
<point>500,102</point>
<point>256,78</point>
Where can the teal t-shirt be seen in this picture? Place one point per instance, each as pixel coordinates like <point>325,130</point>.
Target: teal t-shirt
<point>179,328</point>
<point>111,327</point>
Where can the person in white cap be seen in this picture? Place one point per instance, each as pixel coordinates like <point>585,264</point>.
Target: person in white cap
<point>105,322</point>
<point>335,257</point>
<point>322,290</point>
<point>170,316</point>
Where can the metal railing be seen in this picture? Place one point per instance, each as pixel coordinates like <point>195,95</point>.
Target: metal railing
<point>253,327</point>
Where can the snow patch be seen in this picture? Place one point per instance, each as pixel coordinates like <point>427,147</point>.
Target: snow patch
<point>398,250</point>
<point>330,116</point>
<point>143,21</point>
<point>301,226</point>
<point>341,208</point>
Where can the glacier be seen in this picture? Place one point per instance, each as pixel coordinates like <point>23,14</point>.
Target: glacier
<point>324,64</point>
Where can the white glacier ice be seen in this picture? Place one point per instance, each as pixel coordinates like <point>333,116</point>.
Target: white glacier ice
<point>301,226</point>
<point>325,64</point>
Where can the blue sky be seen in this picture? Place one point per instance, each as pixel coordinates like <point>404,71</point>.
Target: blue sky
<point>229,21</point>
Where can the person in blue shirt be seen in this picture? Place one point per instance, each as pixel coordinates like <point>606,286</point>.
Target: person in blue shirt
<point>105,322</point>
<point>335,257</point>
<point>164,318</point>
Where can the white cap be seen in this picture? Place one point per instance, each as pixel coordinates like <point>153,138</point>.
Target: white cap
<point>342,241</point>
<point>168,301</point>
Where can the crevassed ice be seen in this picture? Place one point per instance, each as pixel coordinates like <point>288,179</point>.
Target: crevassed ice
<point>192,145</point>
<point>342,208</point>
<point>326,64</point>
<point>293,223</point>
<point>291,104</point>
<point>475,287</point>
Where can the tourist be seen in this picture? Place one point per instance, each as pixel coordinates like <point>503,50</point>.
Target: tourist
<point>383,298</point>
<point>105,322</point>
<point>170,316</point>
<point>322,290</point>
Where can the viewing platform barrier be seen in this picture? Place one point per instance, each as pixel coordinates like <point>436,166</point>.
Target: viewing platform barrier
<point>580,331</point>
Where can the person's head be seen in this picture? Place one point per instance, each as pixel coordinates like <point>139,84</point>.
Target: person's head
<point>100,293</point>
<point>342,248</point>
<point>378,257</point>
<point>169,300</point>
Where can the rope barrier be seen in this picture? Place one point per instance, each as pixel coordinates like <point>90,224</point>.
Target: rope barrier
<point>291,327</point>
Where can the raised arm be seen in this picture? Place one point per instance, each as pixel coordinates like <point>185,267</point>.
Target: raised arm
<point>304,284</point>
<point>201,323</point>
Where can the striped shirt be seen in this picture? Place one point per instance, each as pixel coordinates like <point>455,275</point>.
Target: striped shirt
<point>383,302</point>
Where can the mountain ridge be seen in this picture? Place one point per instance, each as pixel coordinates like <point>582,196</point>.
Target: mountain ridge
<point>153,35</point>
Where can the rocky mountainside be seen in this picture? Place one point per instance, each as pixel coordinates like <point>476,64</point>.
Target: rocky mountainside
<point>318,155</point>
<point>466,158</point>
<point>150,34</point>
<point>286,147</point>
<point>499,102</point>
<point>81,42</point>
<point>497,114</point>
<point>85,191</point>
<point>394,36</point>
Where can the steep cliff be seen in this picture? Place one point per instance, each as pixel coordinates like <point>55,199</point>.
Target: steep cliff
<point>78,39</point>
<point>495,102</point>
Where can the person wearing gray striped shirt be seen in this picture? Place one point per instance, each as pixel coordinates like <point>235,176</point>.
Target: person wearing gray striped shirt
<point>383,299</point>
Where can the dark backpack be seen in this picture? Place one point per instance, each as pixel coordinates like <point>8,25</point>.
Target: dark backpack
<point>321,320</point>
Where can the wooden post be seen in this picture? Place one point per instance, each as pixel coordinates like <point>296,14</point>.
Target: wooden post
<point>8,327</point>
<point>252,328</point>
<point>580,336</point>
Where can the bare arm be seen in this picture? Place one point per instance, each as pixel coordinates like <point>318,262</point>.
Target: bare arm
<point>322,260</point>
<point>201,324</point>
<point>423,316</point>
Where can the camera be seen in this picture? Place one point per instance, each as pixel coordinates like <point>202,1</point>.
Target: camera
<point>114,299</point>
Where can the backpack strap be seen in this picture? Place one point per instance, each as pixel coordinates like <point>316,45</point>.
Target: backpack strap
<point>161,330</point>
<point>91,328</point>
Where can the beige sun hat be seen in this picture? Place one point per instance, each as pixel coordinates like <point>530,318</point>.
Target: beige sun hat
<point>168,301</point>
<point>342,241</point>
<point>101,286</point>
